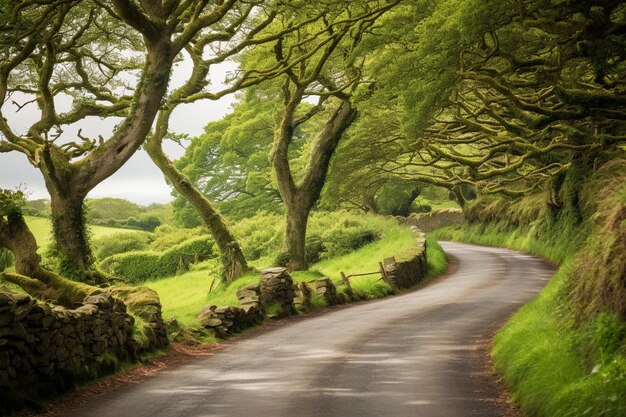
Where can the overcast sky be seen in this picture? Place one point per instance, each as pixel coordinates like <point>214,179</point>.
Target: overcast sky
<point>138,180</point>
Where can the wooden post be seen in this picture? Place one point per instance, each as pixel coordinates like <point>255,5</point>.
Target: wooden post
<point>383,272</point>
<point>345,279</point>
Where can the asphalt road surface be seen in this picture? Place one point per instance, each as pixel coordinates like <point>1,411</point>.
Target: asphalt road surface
<point>409,355</point>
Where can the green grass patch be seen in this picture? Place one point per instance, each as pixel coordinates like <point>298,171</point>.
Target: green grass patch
<point>183,296</point>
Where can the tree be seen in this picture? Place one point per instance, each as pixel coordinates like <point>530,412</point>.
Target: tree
<point>228,162</point>
<point>70,49</point>
<point>505,98</point>
<point>230,38</point>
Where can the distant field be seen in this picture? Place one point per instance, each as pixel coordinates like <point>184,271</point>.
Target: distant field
<point>42,229</point>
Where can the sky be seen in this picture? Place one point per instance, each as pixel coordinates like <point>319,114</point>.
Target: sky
<point>138,180</point>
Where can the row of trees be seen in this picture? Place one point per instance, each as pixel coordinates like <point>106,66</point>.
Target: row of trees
<point>355,96</point>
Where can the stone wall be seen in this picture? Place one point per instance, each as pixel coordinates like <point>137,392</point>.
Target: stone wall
<point>408,268</point>
<point>144,303</point>
<point>325,289</point>
<point>46,349</point>
<point>427,222</point>
<point>277,289</point>
<point>228,320</point>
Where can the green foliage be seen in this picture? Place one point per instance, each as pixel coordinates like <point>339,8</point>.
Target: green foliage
<point>229,163</point>
<point>180,257</point>
<point>138,267</point>
<point>134,267</point>
<point>330,234</point>
<point>6,259</point>
<point>113,244</point>
<point>112,208</point>
<point>167,236</point>
<point>117,212</point>
<point>542,359</point>
<point>11,202</point>
<point>260,236</point>
<point>341,238</point>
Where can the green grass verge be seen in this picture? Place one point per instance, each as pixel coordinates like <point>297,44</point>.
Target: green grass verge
<point>183,296</point>
<point>554,368</point>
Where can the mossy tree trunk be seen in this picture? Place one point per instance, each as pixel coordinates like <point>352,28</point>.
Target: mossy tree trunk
<point>299,198</point>
<point>71,241</point>
<point>233,259</point>
<point>29,275</point>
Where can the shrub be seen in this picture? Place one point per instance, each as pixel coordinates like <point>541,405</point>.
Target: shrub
<point>261,235</point>
<point>314,249</point>
<point>142,266</point>
<point>340,233</point>
<point>180,257</point>
<point>106,246</point>
<point>133,266</point>
<point>166,236</point>
<point>145,222</point>
<point>421,208</point>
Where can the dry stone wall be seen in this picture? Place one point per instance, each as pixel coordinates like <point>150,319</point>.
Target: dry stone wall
<point>408,268</point>
<point>277,289</point>
<point>46,349</point>
<point>325,289</point>
<point>227,320</point>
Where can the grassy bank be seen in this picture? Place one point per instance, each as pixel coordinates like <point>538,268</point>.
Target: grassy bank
<point>183,296</point>
<point>556,363</point>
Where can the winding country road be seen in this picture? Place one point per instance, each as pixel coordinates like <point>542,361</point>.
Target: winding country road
<point>409,355</point>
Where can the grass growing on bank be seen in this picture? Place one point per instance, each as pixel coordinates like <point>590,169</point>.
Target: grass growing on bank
<point>554,368</point>
<point>183,296</point>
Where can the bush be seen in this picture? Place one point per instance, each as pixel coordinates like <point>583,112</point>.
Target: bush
<point>109,245</point>
<point>314,249</point>
<point>421,208</point>
<point>261,235</point>
<point>339,242</point>
<point>340,233</point>
<point>145,222</point>
<point>180,257</point>
<point>166,237</point>
<point>142,266</point>
<point>329,234</point>
<point>134,266</point>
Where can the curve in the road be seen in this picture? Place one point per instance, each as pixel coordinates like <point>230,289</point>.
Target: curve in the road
<point>409,355</point>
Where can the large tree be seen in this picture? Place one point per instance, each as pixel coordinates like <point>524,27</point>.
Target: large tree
<point>109,60</point>
<point>331,71</point>
<point>231,37</point>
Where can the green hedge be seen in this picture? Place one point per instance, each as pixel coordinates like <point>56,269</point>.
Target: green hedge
<point>137,267</point>
<point>109,245</point>
<point>134,266</point>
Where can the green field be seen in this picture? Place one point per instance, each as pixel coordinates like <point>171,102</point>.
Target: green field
<point>42,229</point>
